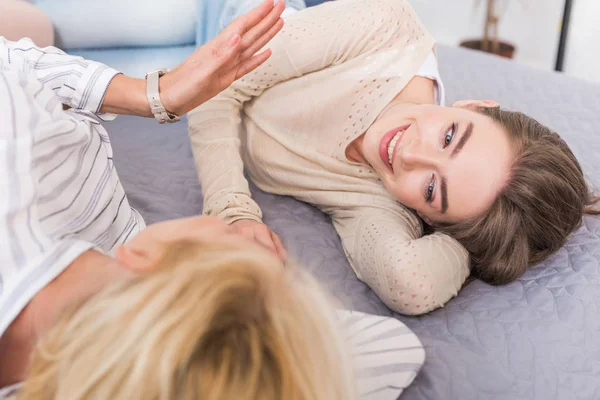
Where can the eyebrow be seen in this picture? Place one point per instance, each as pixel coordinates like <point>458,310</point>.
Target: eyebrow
<point>444,195</point>
<point>461,143</point>
<point>463,140</point>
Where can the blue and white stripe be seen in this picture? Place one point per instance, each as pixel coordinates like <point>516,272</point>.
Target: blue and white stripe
<point>61,194</point>
<point>387,355</point>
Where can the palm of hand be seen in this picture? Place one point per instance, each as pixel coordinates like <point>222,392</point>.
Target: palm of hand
<point>215,66</point>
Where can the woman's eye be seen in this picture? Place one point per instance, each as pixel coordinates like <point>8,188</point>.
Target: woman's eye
<point>449,136</point>
<point>429,190</point>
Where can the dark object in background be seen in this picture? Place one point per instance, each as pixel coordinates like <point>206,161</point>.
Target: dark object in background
<point>490,42</point>
<point>564,32</point>
<point>503,49</point>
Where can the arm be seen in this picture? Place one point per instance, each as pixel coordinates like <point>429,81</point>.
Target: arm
<point>313,39</point>
<point>40,276</point>
<point>411,273</point>
<point>29,259</point>
<point>94,87</point>
<point>78,83</point>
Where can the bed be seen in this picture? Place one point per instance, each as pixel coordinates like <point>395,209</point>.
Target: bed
<point>538,338</point>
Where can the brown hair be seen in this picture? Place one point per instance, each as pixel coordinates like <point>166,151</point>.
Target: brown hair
<point>543,201</point>
<point>211,322</point>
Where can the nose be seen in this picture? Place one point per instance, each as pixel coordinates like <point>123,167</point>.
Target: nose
<point>419,154</point>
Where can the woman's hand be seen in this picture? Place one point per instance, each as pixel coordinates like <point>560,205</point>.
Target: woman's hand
<point>260,233</point>
<point>213,67</point>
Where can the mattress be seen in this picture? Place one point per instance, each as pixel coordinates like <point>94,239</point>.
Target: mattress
<point>537,338</point>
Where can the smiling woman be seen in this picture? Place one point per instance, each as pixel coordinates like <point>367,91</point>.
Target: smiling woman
<point>424,154</point>
<point>349,115</point>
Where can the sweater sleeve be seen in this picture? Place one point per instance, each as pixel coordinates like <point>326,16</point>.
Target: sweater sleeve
<point>411,273</point>
<point>312,40</point>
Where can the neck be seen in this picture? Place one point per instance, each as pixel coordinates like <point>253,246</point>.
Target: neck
<point>87,275</point>
<point>16,348</point>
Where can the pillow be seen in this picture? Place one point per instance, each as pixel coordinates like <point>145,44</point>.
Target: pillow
<point>19,19</point>
<point>121,23</point>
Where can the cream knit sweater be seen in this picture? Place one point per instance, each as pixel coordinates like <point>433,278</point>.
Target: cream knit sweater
<point>334,68</point>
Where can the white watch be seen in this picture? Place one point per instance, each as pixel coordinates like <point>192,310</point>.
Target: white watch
<point>153,95</point>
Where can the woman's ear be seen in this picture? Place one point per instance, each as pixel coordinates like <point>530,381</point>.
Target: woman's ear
<point>473,104</point>
<point>134,259</point>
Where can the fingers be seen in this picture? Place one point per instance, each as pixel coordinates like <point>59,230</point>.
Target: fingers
<point>259,43</point>
<point>253,63</point>
<point>255,17</point>
<point>247,35</point>
<point>262,28</point>
<point>263,236</point>
<point>279,246</point>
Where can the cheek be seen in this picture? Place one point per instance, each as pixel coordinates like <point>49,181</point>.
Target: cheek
<point>406,190</point>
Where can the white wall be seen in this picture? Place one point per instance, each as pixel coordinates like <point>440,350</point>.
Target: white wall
<point>532,25</point>
<point>583,49</point>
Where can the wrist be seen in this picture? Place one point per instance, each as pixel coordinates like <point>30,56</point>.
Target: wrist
<point>155,93</point>
<point>126,95</point>
<point>166,94</point>
<point>139,100</point>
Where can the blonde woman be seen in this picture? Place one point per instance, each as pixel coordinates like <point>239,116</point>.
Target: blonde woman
<point>64,211</point>
<point>210,315</point>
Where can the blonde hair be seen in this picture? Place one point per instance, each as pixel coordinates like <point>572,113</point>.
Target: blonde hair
<point>211,322</point>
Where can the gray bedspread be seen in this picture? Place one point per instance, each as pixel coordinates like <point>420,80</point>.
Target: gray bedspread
<point>538,338</point>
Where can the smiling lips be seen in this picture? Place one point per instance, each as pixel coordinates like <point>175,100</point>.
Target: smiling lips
<point>388,147</point>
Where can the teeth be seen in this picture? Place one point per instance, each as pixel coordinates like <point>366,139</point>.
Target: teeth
<point>392,145</point>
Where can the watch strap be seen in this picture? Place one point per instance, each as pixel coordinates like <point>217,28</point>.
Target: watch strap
<point>153,96</point>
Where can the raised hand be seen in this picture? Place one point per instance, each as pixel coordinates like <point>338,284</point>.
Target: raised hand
<point>216,65</point>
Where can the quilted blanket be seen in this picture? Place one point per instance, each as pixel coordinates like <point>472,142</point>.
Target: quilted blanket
<point>535,339</point>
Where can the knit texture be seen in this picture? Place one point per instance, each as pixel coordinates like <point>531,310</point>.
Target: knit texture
<point>334,68</point>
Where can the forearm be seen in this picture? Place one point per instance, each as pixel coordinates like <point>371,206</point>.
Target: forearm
<point>411,273</point>
<point>126,96</point>
<point>83,278</point>
<point>433,273</point>
<point>214,130</point>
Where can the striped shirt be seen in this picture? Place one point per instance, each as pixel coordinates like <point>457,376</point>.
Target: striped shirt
<point>61,194</point>
<point>386,354</point>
